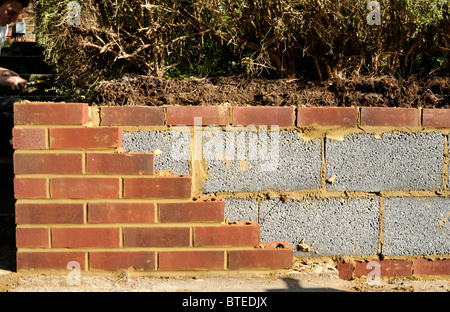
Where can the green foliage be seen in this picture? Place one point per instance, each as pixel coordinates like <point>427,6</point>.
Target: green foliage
<point>278,38</point>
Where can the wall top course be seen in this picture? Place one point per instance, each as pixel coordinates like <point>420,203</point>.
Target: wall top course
<point>36,113</point>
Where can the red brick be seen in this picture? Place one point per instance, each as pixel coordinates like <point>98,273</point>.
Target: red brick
<point>80,188</point>
<point>99,137</point>
<point>30,188</point>
<point>124,163</point>
<point>262,115</point>
<point>327,116</point>
<point>391,117</point>
<point>194,211</point>
<point>191,260</point>
<point>158,187</point>
<point>184,115</point>
<point>121,212</point>
<point>345,270</point>
<point>51,113</point>
<point>29,138</point>
<point>85,237</point>
<point>387,268</point>
<point>123,260</point>
<point>132,116</point>
<point>48,163</point>
<point>49,213</point>
<point>431,267</point>
<point>239,234</point>
<point>437,118</point>
<point>48,260</point>
<point>32,237</point>
<point>265,256</point>
<point>156,237</point>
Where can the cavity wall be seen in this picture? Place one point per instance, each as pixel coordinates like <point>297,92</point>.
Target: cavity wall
<point>188,188</point>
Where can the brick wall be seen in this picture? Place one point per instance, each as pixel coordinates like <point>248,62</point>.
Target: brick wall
<point>80,198</point>
<point>102,186</point>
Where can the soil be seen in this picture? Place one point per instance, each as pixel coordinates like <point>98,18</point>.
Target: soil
<point>381,91</point>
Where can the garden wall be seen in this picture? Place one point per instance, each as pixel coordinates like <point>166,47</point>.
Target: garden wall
<point>200,188</point>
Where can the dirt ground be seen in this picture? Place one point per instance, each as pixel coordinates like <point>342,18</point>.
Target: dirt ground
<point>382,91</point>
<point>306,277</point>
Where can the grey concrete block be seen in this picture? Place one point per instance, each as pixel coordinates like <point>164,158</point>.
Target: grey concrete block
<point>416,226</point>
<point>332,227</point>
<point>174,147</point>
<point>249,161</point>
<point>396,161</point>
<point>237,209</point>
